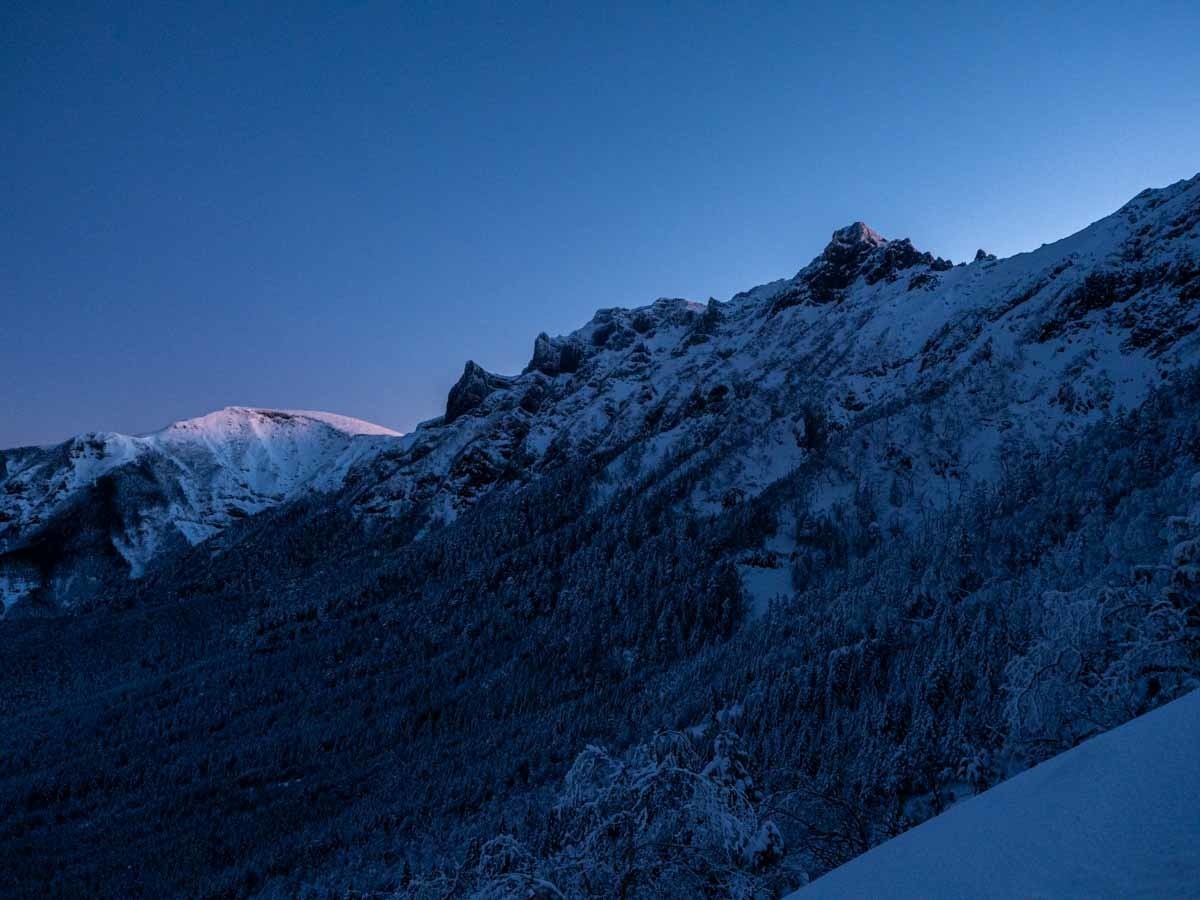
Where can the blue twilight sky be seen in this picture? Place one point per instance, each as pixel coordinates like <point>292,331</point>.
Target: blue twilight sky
<point>334,205</point>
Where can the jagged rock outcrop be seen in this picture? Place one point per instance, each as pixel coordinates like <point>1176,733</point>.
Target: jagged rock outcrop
<point>555,356</point>
<point>842,261</point>
<point>854,252</point>
<point>546,356</point>
<point>896,256</point>
<point>471,390</point>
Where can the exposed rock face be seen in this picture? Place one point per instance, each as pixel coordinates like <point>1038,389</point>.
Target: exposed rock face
<point>842,260</point>
<point>556,356</point>
<point>471,390</point>
<point>897,256</point>
<point>570,357</point>
<point>545,356</point>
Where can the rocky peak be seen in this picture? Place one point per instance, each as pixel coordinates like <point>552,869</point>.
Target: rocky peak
<point>849,247</point>
<point>841,262</point>
<point>853,252</point>
<point>475,385</point>
<point>857,234</point>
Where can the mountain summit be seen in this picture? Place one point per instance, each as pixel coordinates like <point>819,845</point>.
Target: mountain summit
<point>856,251</point>
<point>852,243</point>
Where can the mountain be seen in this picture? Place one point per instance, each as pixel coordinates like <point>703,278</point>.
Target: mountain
<point>1118,816</point>
<point>1030,347</point>
<point>706,601</point>
<point>1040,343</point>
<point>103,505</point>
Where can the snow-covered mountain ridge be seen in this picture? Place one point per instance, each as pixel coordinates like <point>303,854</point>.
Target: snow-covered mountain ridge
<point>935,368</point>
<point>186,481</point>
<point>908,375</point>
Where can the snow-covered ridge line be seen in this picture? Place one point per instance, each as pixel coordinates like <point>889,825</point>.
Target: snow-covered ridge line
<point>1037,344</point>
<point>919,370</point>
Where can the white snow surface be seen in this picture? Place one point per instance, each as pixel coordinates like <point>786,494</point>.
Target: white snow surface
<point>1117,816</point>
<point>234,417</point>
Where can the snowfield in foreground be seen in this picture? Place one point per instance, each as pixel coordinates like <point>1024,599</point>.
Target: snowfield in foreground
<point>1117,816</point>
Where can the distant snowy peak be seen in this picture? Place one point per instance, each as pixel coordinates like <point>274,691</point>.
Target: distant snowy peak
<point>280,445</point>
<point>131,497</point>
<point>262,421</point>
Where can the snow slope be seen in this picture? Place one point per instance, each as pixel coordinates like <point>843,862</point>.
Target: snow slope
<point>1117,816</point>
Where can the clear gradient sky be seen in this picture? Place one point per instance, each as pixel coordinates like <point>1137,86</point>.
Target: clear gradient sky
<point>334,205</point>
